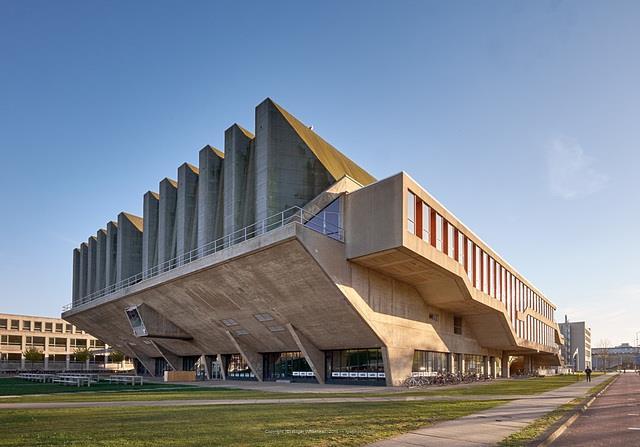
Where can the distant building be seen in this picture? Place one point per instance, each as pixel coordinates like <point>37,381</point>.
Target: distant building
<point>623,356</point>
<point>57,339</point>
<point>576,350</point>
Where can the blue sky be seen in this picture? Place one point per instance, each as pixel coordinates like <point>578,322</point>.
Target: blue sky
<point>521,117</point>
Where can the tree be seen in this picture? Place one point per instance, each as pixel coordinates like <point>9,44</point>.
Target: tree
<point>604,345</point>
<point>33,355</point>
<point>82,354</point>
<point>116,356</point>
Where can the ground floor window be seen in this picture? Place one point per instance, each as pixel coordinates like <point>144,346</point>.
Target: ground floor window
<point>355,364</point>
<point>429,362</point>
<point>474,364</point>
<point>286,366</point>
<point>237,368</point>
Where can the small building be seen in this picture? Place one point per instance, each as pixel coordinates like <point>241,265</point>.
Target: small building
<point>576,350</point>
<point>56,339</point>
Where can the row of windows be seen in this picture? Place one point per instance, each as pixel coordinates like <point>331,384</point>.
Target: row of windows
<point>485,273</point>
<point>54,342</point>
<point>539,332</point>
<point>37,326</point>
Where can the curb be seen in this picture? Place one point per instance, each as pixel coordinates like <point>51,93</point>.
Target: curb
<point>576,414</point>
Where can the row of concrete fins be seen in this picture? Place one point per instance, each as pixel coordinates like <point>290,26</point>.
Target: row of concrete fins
<point>202,206</point>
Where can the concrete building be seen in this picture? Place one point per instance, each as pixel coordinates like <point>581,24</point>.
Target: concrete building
<point>55,338</point>
<point>576,350</point>
<point>623,356</point>
<point>282,259</point>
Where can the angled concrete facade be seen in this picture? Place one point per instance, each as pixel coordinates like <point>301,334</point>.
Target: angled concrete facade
<point>101,259</point>
<point>167,220</point>
<point>187,209</point>
<point>110,254</point>
<point>210,195</point>
<point>129,247</point>
<point>150,230</point>
<point>357,281</point>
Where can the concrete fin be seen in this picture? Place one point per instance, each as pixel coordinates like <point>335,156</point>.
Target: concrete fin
<point>172,360</point>
<point>148,362</point>
<point>333,160</point>
<point>314,356</point>
<point>252,357</point>
<point>137,221</point>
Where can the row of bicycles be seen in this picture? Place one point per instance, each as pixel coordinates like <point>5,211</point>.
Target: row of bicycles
<point>445,378</point>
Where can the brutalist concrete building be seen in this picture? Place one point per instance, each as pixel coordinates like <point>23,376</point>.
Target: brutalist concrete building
<point>282,259</point>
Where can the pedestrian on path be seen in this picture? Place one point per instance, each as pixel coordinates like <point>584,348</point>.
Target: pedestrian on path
<point>587,371</point>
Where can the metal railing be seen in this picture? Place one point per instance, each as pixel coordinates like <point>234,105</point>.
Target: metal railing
<point>322,222</point>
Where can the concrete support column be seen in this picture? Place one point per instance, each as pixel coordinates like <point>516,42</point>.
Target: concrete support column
<point>238,191</point>
<point>75,292</point>
<point>397,364</point>
<point>167,221</point>
<point>210,195</point>
<point>84,268</point>
<point>46,362</point>
<point>101,259</point>
<point>150,232</point>
<point>487,371</point>
<point>91,265</point>
<point>462,364</point>
<point>313,355</point>
<point>67,361</point>
<point>223,366</point>
<point>111,252</point>
<point>146,361</point>
<point>251,356</point>
<point>129,252</point>
<point>186,209</point>
<point>505,366</point>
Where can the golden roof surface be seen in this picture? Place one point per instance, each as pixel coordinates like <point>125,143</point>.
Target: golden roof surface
<point>333,160</point>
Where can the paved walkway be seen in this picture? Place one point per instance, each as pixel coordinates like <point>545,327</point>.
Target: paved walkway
<point>612,420</point>
<point>489,427</point>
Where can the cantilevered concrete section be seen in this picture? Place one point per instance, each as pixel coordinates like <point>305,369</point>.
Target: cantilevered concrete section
<point>283,259</point>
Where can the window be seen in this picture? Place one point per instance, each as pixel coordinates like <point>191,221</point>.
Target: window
<point>15,325</point>
<point>426,363</point>
<point>426,222</point>
<point>229,322</point>
<point>67,328</point>
<point>48,327</point>
<point>470,260</point>
<point>263,317</point>
<point>411,212</point>
<point>478,266</point>
<point>434,317</point>
<point>492,277</point>
<point>485,273</point>
<point>461,248</point>
<point>26,325</point>
<point>439,230</point>
<point>451,241</point>
<point>37,326</point>
<point>59,327</point>
<point>3,323</point>
<point>457,325</point>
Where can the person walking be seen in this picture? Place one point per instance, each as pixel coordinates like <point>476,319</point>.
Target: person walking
<point>587,371</point>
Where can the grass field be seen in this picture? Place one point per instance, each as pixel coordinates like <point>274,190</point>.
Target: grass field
<point>37,392</point>
<point>265,425</point>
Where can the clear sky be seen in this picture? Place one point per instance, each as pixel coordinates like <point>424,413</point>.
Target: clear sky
<point>521,117</point>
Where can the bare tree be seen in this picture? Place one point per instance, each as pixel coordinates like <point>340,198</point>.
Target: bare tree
<point>605,345</point>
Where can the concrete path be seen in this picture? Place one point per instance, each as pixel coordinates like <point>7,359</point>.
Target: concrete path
<point>612,420</point>
<point>489,427</point>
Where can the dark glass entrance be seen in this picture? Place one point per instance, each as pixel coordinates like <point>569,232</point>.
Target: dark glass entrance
<point>287,366</point>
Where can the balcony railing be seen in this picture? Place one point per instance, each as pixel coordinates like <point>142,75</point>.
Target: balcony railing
<point>323,222</point>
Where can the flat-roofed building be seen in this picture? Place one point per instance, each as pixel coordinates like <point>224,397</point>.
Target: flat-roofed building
<point>576,349</point>
<point>56,339</point>
<point>280,258</point>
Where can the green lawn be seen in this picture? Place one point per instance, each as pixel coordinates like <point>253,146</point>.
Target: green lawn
<point>158,391</point>
<point>265,425</point>
<point>14,386</point>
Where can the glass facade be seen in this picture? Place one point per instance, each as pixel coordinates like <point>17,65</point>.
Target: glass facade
<point>329,220</point>
<point>473,364</point>
<point>354,364</point>
<point>485,272</point>
<point>429,363</point>
<point>237,368</point>
<point>286,366</point>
